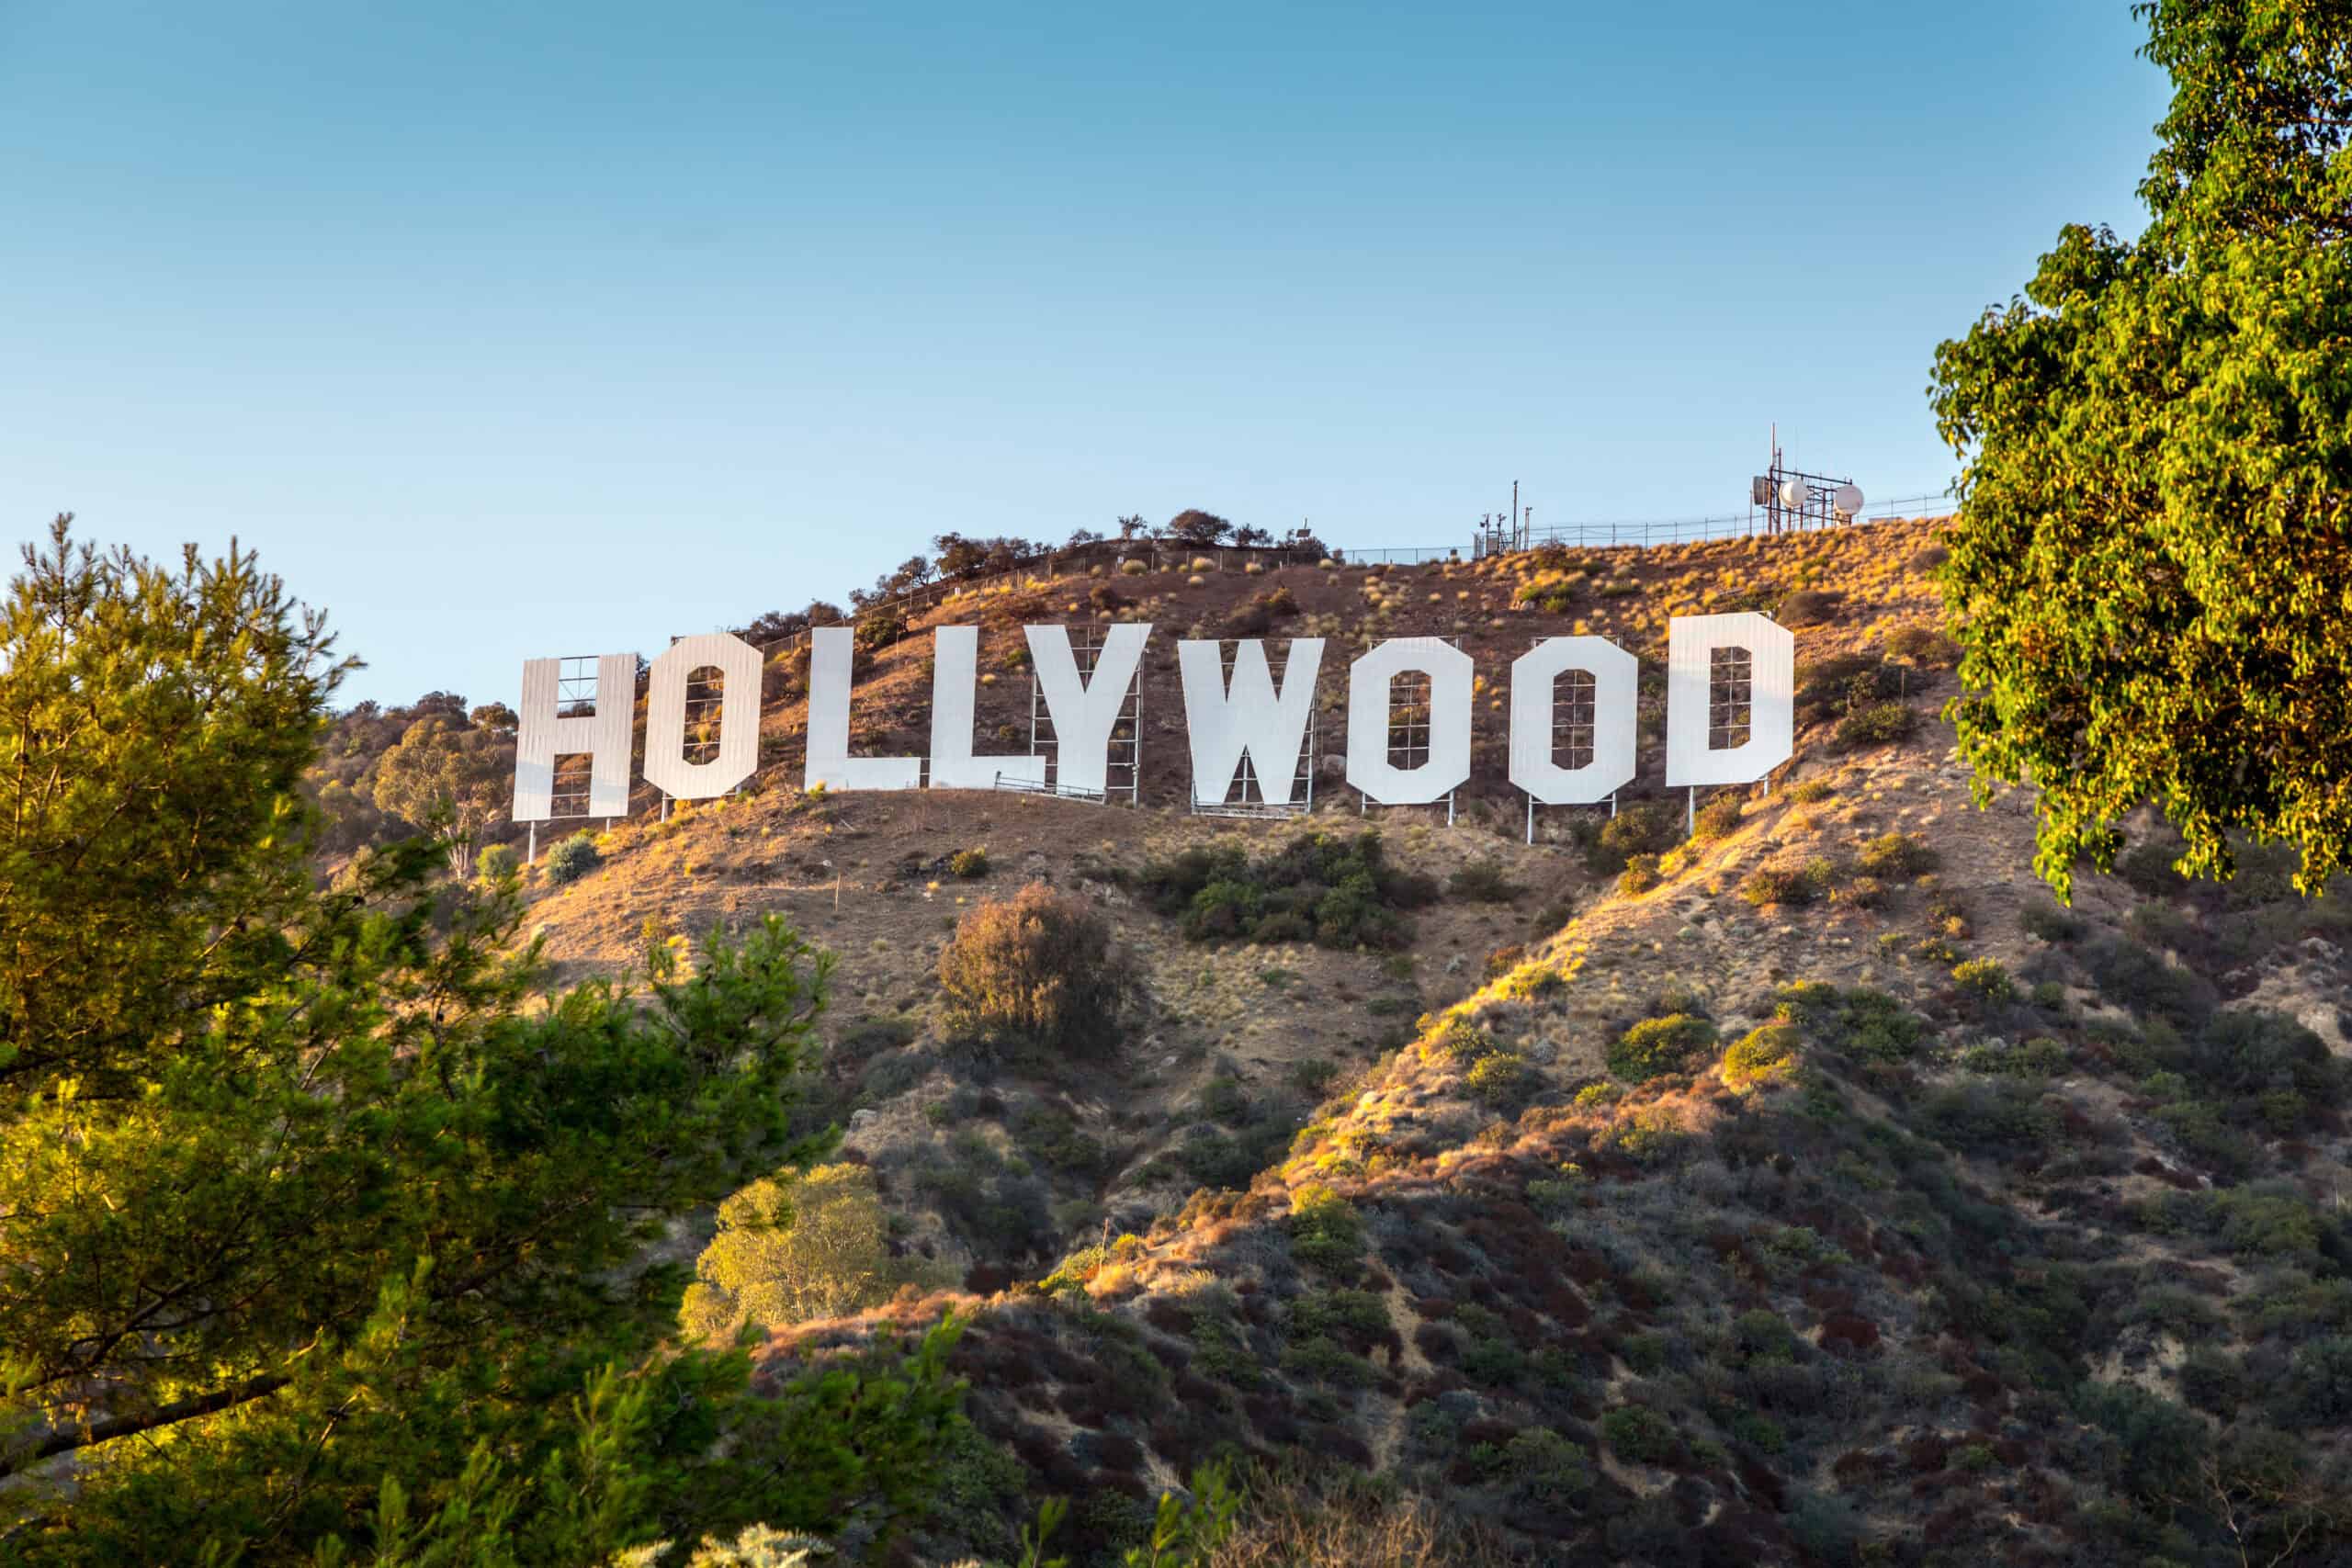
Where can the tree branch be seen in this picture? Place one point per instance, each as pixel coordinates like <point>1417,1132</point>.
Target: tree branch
<point>113,1426</point>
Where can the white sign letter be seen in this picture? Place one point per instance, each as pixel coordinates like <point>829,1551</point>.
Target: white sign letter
<point>548,733</point>
<point>1252,719</point>
<point>1535,686</point>
<point>666,768</point>
<point>830,652</point>
<point>1449,671</point>
<point>1758,694</point>
<point>954,674</point>
<point>1085,709</point>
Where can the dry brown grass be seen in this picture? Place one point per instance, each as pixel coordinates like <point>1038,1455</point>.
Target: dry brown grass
<point>1294,1526</point>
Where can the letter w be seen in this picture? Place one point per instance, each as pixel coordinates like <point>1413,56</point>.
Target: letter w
<point>1249,719</point>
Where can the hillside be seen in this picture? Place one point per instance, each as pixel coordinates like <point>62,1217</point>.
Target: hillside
<point>1815,1190</point>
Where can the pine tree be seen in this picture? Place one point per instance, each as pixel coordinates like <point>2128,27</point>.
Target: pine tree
<point>322,1228</point>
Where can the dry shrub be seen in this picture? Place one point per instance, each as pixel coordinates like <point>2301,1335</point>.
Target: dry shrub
<point>1039,968</point>
<point>1294,1526</point>
<point>1806,607</point>
<point>1929,648</point>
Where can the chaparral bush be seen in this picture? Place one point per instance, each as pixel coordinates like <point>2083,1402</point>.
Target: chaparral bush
<point>573,857</point>
<point>1040,968</point>
<point>1658,1046</point>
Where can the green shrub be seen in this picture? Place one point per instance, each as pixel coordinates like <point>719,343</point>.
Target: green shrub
<point>1658,1046</point>
<point>1813,791</point>
<point>1792,886</point>
<point>1929,648</point>
<point>1985,979</point>
<point>1897,855</point>
<point>2148,868</point>
<point>2200,1131</point>
<point>1984,1116</point>
<point>1313,1076</point>
<point>1501,1078</point>
<point>1331,1313</point>
<point>1223,1099</point>
<point>2254,1052</point>
<point>1461,1041</point>
<point>2040,1057</point>
<point>2176,1309</point>
<point>1337,892</point>
<point>1637,1432</point>
<point>2268,1223</point>
<point>1648,827</point>
<point>1763,1335</point>
<point>1805,608</point>
<point>2141,982</point>
<point>2213,1380</point>
<point>1858,1023</point>
<point>970,864</point>
<point>1640,876</point>
<point>2157,1442</point>
<point>1483,882</point>
<point>2051,923</point>
<point>2319,1383</point>
<point>1527,981</point>
<point>573,857</point>
<point>1039,968</point>
<point>1880,724</point>
<point>1827,1530</point>
<point>1719,819</point>
<point>1769,1051</point>
<point>790,1247</point>
<point>1325,1231</point>
<point>878,629</point>
<point>1844,684</point>
<point>1652,1136</point>
<point>1324,1361</point>
<point>1537,1465</point>
<point>496,862</point>
<point>893,1073</point>
<point>1862,893</point>
<point>1049,1136</point>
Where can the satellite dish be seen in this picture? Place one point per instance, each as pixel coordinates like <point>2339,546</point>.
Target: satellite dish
<point>1848,501</point>
<point>1793,493</point>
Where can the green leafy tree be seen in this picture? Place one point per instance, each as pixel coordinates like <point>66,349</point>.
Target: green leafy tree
<point>445,774</point>
<point>1198,528</point>
<point>2151,572</point>
<point>793,1248</point>
<point>323,1231</point>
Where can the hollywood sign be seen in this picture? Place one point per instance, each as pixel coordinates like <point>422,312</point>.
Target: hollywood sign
<point>1249,714</point>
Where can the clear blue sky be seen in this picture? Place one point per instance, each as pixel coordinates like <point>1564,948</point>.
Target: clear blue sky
<point>511,329</point>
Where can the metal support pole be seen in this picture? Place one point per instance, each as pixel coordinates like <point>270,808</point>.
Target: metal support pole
<point>531,856</point>
<point>1531,818</point>
<point>1691,813</point>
